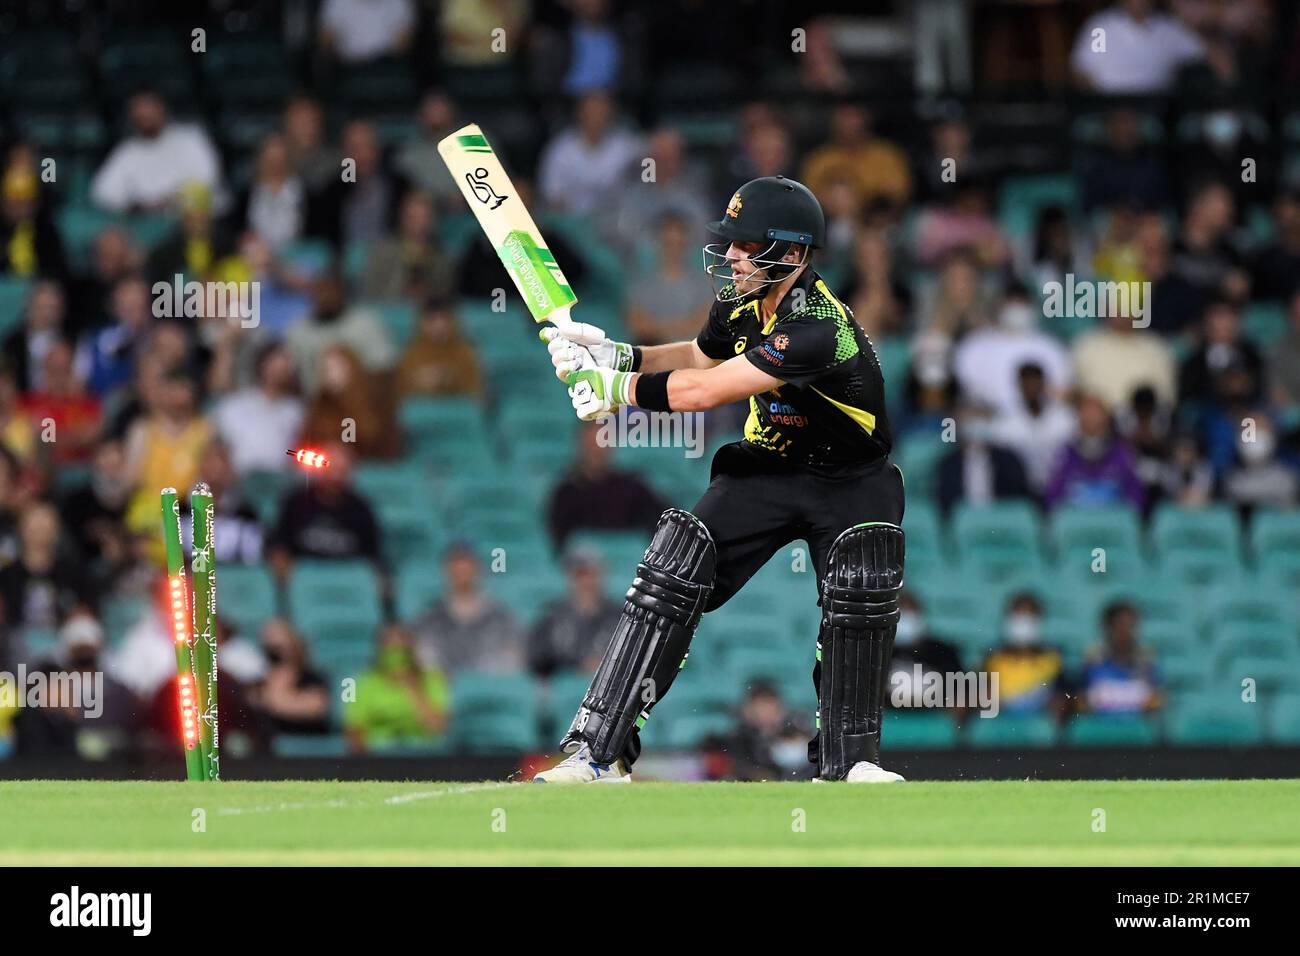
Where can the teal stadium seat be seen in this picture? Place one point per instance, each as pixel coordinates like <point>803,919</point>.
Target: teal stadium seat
<point>1195,723</point>
<point>1200,545</point>
<point>248,596</point>
<point>1077,532</point>
<point>1275,546</point>
<point>926,552</point>
<point>998,539</point>
<point>1112,730</point>
<point>918,730</point>
<point>494,712</point>
<point>416,585</point>
<point>334,601</point>
<point>918,455</point>
<point>13,298</point>
<point>1011,731</point>
<point>1283,721</point>
<point>1024,196</point>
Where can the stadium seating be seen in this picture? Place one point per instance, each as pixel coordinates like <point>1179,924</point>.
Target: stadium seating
<point>334,600</point>
<point>919,730</point>
<point>998,539</point>
<point>248,596</point>
<point>1012,731</point>
<point>1202,723</point>
<point>1106,730</point>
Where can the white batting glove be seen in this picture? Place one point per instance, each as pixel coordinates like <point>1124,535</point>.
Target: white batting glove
<point>598,392</point>
<point>575,346</point>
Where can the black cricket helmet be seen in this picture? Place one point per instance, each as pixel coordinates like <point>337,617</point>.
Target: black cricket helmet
<point>772,210</point>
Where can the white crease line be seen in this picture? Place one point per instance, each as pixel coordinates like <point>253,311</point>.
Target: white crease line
<point>336,804</point>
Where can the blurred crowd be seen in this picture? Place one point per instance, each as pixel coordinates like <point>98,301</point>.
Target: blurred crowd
<point>106,398</point>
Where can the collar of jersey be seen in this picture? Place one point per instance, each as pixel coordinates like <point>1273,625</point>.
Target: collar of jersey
<point>807,279</point>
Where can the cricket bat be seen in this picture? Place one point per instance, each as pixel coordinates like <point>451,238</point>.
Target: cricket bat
<point>509,227</point>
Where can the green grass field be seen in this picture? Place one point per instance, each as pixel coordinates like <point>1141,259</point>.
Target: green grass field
<point>295,823</point>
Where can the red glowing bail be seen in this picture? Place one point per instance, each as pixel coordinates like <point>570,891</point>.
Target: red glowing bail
<point>309,458</point>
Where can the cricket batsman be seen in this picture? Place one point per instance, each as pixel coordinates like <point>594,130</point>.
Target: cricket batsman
<point>813,465</point>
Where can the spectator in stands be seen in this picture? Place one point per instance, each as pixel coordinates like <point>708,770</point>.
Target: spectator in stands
<point>164,445</point>
<point>1187,479</point>
<point>198,244</point>
<point>582,168</point>
<point>987,360</point>
<point>1124,171</point>
<point>768,743</point>
<point>325,519</point>
<point>18,434</point>
<point>147,170</point>
<point>465,629</point>
<point>1113,361</point>
<point>1259,480</point>
<point>409,265</point>
<point>929,392</point>
<point>1222,345</point>
<point>1214,145</point>
<point>950,155</point>
<point>29,240</point>
<point>876,168</point>
<point>1058,249</point>
<point>358,31</point>
<point>314,161</point>
<point>332,322</point>
<point>113,257</point>
<point>94,511</point>
<point>668,302</point>
<point>101,719</point>
<point>44,583</point>
<point>1120,677</point>
<point>1098,467</point>
<point>360,209</point>
<point>237,536</point>
<point>821,70</point>
<point>417,159</point>
<point>439,360</point>
<point>1275,271</point>
<point>764,150</point>
<point>595,496</point>
<point>573,630</point>
<point>1175,303</point>
<point>15,494</point>
<point>1284,361</point>
<point>880,301</point>
<point>1205,255</point>
<point>400,699</point>
<point>956,303</point>
<point>964,221</point>
<point>979,471</point>
<point>678,188</point>
<point>1223,422</point>
<point>275,204</point>
<point>1038,428</point>
<point>292,695</point>
<point>67,416</point>
<point>586,54</point>
<point>465,28</point>
<point>259,422</point>
<point>44,324</point>
<point>919,657</point>
<point>1132,49</point>
<point>107,354</point>
<point>1146,425</point>
<point>1030,672</point>
<point>352,403</point>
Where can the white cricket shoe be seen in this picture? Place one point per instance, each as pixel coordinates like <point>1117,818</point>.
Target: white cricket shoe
<point>580,768</point>
<point>864,771</point>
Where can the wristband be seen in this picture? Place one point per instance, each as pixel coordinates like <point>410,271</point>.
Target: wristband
<point>636,359</point>
<point>652,391</point>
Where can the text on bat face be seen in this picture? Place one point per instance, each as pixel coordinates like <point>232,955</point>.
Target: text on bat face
<point>482,189</point>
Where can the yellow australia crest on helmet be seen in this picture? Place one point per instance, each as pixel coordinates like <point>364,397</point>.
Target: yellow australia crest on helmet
<point>733,207</point>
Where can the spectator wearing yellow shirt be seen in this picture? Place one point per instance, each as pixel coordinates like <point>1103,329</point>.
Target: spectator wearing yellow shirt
<point>876,167</point>
<point>164,445</point>
<point>1030,672</point>
<point>398,700</point>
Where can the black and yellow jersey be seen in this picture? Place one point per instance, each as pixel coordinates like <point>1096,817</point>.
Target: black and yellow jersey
<point>829,412</point>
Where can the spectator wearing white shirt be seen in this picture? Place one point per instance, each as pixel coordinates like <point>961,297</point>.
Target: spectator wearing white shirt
<point>147,169</point>
<point>1038,429</point>
<point>1112,362</point>
<point>259,423</point>
<point>1142,53</point>
<point>987,361</point>
<point>275,206</point>
<point>584,165</point>
<point>357,31</point>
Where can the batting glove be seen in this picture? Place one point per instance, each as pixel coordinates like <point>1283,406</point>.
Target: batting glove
<point>575,346</point>
<point>598,392</point>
